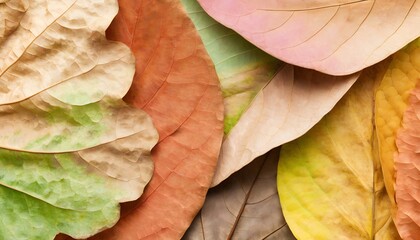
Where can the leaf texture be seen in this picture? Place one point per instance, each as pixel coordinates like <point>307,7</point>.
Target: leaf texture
<point>293,101</point>
<point>391,102</point>
<point>407,170</point>
<point>267,103</point>
<point>336,37</point>
<point>63,123</point>
<point>243,69</point>
<point>175,82</point>
<point>330,181</point>
<point>245,206</point>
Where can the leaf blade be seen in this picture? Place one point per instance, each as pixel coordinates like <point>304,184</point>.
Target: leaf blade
<point>300,32</point>
<point>244,206</point>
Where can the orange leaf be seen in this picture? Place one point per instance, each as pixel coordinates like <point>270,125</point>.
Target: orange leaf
<point>176,84</point>
<point>407,166</point>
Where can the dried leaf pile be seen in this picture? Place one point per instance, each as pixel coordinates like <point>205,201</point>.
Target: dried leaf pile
<point>209,119</point>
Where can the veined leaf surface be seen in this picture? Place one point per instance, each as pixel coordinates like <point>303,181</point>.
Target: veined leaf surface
<point>245,206</point>
<point>336,37</point>
<point>407,170</point>
<point>330,180</point>
<point>391,102</point>
<point>175,82</point>
<point>267,103</point>
<point>61,84</point>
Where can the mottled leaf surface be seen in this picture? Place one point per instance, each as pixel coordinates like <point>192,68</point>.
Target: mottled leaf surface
<point>245,206</point>
<point>330,181</point>
<point>334,36</point>
<point>407,170</point>
<point>62,121</point>
<point>175,82</point>
<point>391,102</point>
<point>243,69</point>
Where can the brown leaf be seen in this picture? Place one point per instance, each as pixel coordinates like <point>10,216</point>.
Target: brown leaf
<point>245,206</point>
<point>176,84</point>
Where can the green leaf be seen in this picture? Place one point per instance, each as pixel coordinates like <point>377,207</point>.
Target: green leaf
<point>42,195</point>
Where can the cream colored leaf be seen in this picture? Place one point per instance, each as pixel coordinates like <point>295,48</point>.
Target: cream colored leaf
<point>288,106</point>
<point>70,149</point>
<point>49,43</point>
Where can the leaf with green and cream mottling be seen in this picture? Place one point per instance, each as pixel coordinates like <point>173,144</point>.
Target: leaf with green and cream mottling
<point>245,206</point>
<point>44,194</point>
<point>338,37</point>
<point>391,102</point>
<point>243,69</point>
<point>71,149</point>
<point>330,181</point>
<point>407,170</point>
<point>61,81</point>
<point>267,102</point>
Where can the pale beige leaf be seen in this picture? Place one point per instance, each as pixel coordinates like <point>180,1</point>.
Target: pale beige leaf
<point>291,103</point>
<point>45,43</point>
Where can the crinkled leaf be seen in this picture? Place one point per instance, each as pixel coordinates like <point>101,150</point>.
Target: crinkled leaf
<point>176,84</point>
<point>391,102</point>
<point>335,37</point>
<point>245,206</point>
<point>407,171</point>
<point>267,103</point>
<point>58,41</point>
<point>60,77</point>
<point>44,194</point>
<point>330,181</point>
<point>61,84</point>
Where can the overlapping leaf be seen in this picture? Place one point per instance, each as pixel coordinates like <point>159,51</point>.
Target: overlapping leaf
<point>336,37</point>
<point>391,102</point>
<point>245,206</point>
<point>242,68</point>
<point>176,84</point>
<point>63,123</point>
<point>267,102</point>
<point>330,181</point>
<point>407,166</point>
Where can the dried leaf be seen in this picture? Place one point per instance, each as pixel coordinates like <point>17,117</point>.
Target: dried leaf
<point>335,37</point>
<point>176,84</point>
<point>245,206</point>
<point>267,102</point>
<point>330,181</point>
<point>407,171</point>
<point>61,84</point>
<point>390,104</point>
<point>242,68</point>
<point>294,101</point>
